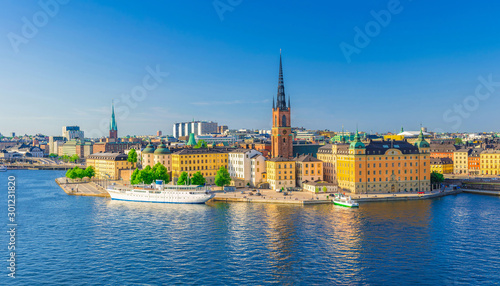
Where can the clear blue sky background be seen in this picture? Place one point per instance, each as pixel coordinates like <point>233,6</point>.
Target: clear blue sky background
<point>427,59</point>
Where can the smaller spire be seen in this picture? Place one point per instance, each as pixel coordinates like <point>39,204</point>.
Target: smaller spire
<point>274,105</point>
<point>289,101</point>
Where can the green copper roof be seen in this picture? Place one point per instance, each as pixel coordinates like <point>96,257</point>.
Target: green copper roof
<point>162,150</point>
<point>357,144</point>
<point>149,149</point>
<point>421,143</point>
<point>191,141</point>
<point>112,125</point>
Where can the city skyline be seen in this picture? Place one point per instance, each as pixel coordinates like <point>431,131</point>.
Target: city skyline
<point>223,66</point>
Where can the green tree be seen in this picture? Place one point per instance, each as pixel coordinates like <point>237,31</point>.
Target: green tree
<point>74,158</point>
<point>183,179</point>
<point>198,179</point>
<point>324,189</point>
<point>436,178</point>
<point>134,178</point>
<point>146,175</point>
<point>89,172</point>
<point>70,174</point>
<point>458,141</point>
<point>53,155</point>
<point>160,172</point>
<point>222,178</point>
<point>132,156</point>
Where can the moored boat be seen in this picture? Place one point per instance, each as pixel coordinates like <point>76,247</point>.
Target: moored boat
<point>3,168</point>
<point>344,201</point>
<point>160,193</point>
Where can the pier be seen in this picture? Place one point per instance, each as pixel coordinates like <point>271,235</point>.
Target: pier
<point>82,188</point>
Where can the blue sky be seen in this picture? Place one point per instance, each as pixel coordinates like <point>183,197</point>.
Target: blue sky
<point>223,65</point>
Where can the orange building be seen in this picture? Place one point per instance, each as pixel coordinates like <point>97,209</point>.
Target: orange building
<point>443,150</point>
<point>475,161</point>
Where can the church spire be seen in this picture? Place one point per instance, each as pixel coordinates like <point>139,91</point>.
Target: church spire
<point>112,125</point>
<point>281,101</point>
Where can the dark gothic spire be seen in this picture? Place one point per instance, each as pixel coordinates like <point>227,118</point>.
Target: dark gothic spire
<point>281,101</point>
<point>274,105</point>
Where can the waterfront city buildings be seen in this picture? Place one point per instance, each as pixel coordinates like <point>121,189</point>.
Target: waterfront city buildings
<point>72,132</point>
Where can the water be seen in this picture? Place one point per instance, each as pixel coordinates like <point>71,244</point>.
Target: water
<point>73,240</point>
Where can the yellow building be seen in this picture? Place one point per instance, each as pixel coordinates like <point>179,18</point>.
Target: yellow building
<point>383,166</point>
<point>308,169</point>
<point>280,173</point>
<point>205,160</point>
<point>110,165</point>
<point>329,164</point>
<point>490,162</point>
<point>460,161</point>
<point>442,165</point>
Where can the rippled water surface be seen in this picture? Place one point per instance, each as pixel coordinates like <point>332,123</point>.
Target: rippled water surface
<point>73,240</point>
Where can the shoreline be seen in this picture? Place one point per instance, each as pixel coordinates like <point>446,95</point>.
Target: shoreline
<point>270,196</point>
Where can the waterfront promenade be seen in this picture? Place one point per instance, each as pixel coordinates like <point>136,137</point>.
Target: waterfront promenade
<point>266,195</point>
<point>81,188</point>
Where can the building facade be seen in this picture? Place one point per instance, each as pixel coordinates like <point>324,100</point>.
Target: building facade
<point>72,133</point>
<point>475,161</point>
<point>205,160</point>
<point>460,161</point>
<point>282,137</point>
<point>239,164</point>
<point>281,173</point>
<point>490,162</point>
<point>442,165</point>
<point>197,127</point>
<point>383,166</point>
<point>308,169</point>
<point>325,154</point>
<point>110,165</point>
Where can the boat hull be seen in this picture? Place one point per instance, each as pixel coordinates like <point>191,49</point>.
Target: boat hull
<point>347,205</point>
<point>161,197</point>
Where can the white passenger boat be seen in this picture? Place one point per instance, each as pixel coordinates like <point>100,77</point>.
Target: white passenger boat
<point>3,168</point>
<point>344,201</point>
<point>160,193</point>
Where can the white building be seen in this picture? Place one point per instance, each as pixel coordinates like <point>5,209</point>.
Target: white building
<point>239,164</point>
<point>257,169</point>
<point>196,127</point>
<point>72,132</point>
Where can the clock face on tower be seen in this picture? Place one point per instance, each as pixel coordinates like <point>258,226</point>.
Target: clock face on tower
<point>284,132</point>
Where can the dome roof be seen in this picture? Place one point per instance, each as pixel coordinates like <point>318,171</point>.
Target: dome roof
<point>149,149</point>
<point>357,144</point>
<point>162,150</point>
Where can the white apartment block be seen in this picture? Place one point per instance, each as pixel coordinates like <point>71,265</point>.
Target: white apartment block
<point>72,132</point>
<point>196,127</point>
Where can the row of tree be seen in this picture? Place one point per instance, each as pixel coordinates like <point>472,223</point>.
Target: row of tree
<point>149,175</point>
<point>78,173</point>
<point>222,178</point>
<point>74,158</point>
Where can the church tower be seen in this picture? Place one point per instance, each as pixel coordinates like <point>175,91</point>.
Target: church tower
<point>113,129</point>
<point>282,138</point>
